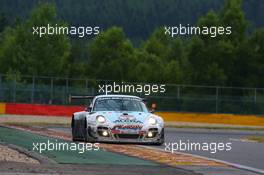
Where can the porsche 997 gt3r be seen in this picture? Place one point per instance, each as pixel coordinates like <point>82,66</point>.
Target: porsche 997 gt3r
<point>117,118</point>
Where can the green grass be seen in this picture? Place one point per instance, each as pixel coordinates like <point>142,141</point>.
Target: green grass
<point>256,138</point>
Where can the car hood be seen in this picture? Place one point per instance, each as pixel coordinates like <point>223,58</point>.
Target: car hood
<point>125,117</point>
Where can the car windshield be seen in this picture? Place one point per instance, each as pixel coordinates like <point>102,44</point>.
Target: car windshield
<point>119,104</point>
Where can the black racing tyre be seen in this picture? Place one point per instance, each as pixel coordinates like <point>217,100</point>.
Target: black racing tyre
<point>78,130</point>
<point>89,137</point>
<point>84,130</point>
<point>73,130</point>
<point>74,139</point>
<point>162,138</point>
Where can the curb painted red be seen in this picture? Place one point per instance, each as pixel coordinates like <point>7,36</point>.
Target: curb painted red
<point>38,109</point>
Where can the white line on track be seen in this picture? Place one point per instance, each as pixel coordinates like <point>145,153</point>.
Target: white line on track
<point>243,140</point>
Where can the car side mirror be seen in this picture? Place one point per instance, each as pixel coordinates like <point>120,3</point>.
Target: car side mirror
<point>88,109</point>
<point>153,107</point>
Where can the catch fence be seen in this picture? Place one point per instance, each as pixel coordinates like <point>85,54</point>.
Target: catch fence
<point>182,98</point>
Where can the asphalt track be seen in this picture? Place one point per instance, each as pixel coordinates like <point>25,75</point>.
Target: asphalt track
<point>245,153</point>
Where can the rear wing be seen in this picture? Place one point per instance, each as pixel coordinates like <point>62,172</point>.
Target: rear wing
<point>72,97</point>
<point>144,99</point>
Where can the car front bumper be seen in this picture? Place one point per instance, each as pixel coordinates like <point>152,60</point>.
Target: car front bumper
<point>139,136</point>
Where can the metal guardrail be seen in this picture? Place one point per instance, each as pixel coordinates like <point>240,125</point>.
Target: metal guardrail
<point>185,98</point>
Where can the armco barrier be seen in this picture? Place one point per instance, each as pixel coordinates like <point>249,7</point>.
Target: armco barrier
<point>2,108</point>
<point>35,109</point>
<point>58,110</point>
<point>230,119</point>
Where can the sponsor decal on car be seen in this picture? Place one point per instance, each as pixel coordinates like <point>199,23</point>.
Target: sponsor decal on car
<point>128,127</point>
<point>128,119</point>
<point>131,129</point>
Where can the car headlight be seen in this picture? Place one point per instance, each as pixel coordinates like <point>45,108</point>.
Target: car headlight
<point>100,119</point>
<point>152,121</point>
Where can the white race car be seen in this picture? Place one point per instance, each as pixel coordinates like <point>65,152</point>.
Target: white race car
<point>117,118</point>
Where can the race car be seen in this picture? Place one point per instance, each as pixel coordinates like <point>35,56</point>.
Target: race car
<point>117,118</point>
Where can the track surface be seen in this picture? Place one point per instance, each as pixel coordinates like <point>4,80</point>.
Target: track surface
<point>71,162</point>
<point>245,153</point>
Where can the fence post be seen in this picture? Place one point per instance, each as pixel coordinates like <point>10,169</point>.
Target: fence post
<point>14,90</point>
<point>51,91</point>
<point>67,91</point>
<point>178,101</point>
<point>86,86</point>
<point>1,94</point>
<point>178,92</point>
<point>33,89</point>
<point>255,101</point>
<point>216,100</point>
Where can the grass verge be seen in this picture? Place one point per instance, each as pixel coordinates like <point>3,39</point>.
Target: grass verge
<point>259,139</point>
